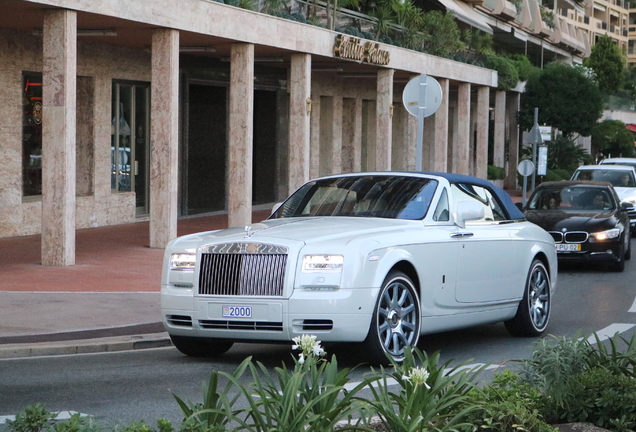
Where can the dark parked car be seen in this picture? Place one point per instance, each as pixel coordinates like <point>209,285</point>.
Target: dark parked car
<point>586,220</point>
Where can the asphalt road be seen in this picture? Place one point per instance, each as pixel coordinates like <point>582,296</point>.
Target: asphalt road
<point>118,388</point>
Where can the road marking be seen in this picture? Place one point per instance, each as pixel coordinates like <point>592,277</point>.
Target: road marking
<point>633,308</point>
<point>62,415</point>
<point>391,381</point>
<point>610,331</point>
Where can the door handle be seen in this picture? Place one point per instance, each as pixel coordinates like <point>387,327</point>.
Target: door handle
<point>462,235</point>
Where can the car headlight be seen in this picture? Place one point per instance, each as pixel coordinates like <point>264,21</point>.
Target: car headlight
<point>323,263</point>
<point>183,261</point>
<point>606,235</point>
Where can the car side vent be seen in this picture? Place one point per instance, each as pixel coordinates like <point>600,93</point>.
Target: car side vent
<point>241,325</point>
<point>317,325</point>
<point>179,320</point>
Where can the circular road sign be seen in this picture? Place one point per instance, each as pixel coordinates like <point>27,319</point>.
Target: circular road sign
<point>431,99</point>
<point>525,168</point>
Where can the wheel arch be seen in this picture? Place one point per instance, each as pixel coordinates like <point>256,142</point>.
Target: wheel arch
<point>408,269</point>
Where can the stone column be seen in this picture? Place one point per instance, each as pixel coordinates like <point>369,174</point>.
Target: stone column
<point>352,135</point>
<point>164,137</point>
<point>384,121</point>
<point>241,131</point>
<point>299,119</point>
<point>461,146</point>
<point>439,147</point>
<point>314,143</point>
<point>510,182</point>
<point>483,111</point>
<point>336,136</point>
<point>499,137</point>
<point>58,137</point>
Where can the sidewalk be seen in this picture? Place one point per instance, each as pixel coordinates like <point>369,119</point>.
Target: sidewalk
<point>108,301</point>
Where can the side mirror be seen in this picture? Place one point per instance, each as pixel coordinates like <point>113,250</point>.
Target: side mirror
<point>276,206</point>
<point>625,206</point>
<point>468,210</point>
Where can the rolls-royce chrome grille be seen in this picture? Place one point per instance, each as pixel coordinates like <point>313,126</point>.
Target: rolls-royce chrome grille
<point>242,269</point>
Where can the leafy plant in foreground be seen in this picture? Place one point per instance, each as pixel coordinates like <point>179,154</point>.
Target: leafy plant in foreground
<point>34,418</point>
<point>311,397</point>
<point>217,409</point>
<point>430,395</point>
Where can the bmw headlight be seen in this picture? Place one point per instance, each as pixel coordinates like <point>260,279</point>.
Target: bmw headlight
<point>322,263</point>
<point>183,261</point>
<point>605,235</point>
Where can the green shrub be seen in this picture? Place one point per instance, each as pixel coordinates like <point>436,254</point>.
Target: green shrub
<point>34,418</point>
<point>585,381</point>
<point>496,173</point>
<point>508,405</point>
<point>507,71</point>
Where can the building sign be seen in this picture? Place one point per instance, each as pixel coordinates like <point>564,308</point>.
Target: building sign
<point>352,48</point>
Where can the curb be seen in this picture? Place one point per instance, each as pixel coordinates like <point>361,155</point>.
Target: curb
<point>88,346</point>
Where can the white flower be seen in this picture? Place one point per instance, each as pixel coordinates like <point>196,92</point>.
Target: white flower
<point>417,376</point>
<point>308,345</point>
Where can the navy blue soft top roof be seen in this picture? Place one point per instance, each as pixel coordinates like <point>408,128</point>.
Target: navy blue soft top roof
<point>503,196</point>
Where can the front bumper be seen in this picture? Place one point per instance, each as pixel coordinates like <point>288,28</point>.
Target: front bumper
<point>602,252</point>
<point>342,315</point>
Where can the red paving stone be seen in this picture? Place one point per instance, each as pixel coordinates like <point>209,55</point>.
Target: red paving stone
<point>107,259</point>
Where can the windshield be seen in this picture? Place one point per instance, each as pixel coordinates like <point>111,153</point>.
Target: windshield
<point>618,178</point>
<point>394,197</point>
<point>572,198</point>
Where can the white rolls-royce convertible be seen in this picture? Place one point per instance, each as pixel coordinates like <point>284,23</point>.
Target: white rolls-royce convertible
<point>376,258</point>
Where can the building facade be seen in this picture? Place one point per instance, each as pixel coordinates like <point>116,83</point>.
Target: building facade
<point>114,112</point>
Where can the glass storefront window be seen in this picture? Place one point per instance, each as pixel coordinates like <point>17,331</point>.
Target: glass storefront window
<point>129,141</point>
<point>31,134</point>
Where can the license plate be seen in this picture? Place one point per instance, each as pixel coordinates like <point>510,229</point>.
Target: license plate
<point>567,247</point>
<point>231,311</point>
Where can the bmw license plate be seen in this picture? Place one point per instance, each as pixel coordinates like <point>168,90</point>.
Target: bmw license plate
<point>567,247</point>
<point>232,311</point>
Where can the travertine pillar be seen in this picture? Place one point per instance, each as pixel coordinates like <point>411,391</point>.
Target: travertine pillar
<point>336,135</point>
<point>241,131</point>
<point>483,111</point>
<point>299,119</point>
<point>384,121</point>
<point>58,137</point>
<point>499,133</point>
<point>164,137</point>
<point>352,135</point>
<point>439,148</point>
<point>461,146</point>
<point>510,182</point>
<point>314,142</point>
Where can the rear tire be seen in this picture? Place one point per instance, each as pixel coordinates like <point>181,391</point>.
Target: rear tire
<point>396,320</point>
<point>200,347</point>
<point>533,313</point>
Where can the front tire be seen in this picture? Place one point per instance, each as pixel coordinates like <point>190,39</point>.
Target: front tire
<point>533,312</point>
<point>200,347</point>
<point>396,320</point>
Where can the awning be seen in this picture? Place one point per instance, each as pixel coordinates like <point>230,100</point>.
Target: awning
<point>467,14</point>
<point>631,127</point>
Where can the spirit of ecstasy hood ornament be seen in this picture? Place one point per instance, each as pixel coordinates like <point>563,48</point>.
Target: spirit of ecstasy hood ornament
<point>248,234</point>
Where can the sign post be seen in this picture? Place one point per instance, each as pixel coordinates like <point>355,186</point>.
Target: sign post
<point>422,96</point>
<point>525,168</point>
<point>534,138</point>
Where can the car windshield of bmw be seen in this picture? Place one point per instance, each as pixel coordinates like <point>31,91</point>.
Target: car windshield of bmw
<point>392,197</point>
<point>564,197</point>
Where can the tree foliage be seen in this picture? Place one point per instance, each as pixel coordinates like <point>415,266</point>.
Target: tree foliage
<point>612,137</point>
<point>567,100</point>
<point>508,74</point>
<point>608,63</point>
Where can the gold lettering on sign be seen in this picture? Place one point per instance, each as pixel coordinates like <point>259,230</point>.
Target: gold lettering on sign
<point>351,48</point>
